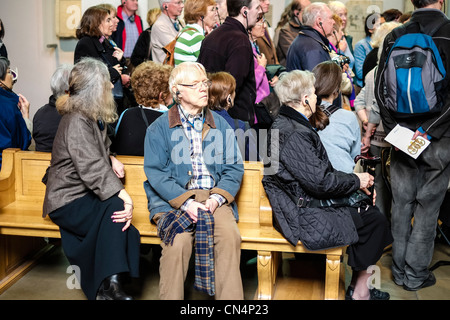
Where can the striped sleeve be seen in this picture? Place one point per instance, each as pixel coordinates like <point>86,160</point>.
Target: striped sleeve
<point>188,46</point>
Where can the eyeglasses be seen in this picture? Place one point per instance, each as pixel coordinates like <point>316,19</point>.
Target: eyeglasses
<point>14,73</point>
<point>197,85</point>
<point>261,22</point>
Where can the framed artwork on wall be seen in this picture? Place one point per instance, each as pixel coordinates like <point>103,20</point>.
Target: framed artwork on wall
<point>67,17</point>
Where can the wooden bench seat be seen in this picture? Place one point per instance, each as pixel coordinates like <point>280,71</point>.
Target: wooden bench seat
<point>22,194</point>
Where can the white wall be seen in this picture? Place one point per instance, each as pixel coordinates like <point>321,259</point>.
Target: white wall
<point>26,37</point>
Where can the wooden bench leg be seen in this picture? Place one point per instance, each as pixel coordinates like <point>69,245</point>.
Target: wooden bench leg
<point>267,271</point>
<point>332,273</point>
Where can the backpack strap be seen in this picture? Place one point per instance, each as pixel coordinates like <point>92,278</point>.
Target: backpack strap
<point>144,117</point>
<point>236,123</point>
<point>330,109</point>
<point>149,53</point>
<point>418,28</point>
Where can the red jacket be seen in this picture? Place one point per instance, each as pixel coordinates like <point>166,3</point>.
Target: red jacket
<point>120,35</point>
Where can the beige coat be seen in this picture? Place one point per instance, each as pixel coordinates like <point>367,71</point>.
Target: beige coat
<point>267,47</point>
<point>163,32</point>
<point>80,163</point>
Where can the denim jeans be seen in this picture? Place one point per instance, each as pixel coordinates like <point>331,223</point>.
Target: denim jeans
<point>418,189</point>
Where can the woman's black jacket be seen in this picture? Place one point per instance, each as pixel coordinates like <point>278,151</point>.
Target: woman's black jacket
<point>301,165</point>
<point>92,47</point>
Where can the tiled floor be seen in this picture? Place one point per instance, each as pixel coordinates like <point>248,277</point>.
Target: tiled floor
<point>299,278</point>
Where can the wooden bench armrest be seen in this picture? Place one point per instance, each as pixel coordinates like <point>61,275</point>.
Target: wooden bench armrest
<point>22,193</point>
<point>265,213</point>
<point>7,178</point>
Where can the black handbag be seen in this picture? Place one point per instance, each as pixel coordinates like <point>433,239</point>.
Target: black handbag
<point>118,89</point>
<point>357,199</point>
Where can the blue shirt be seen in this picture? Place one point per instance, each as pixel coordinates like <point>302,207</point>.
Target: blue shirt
<point>362,48</point>
<point>132,35</point>
<point>342,140</point>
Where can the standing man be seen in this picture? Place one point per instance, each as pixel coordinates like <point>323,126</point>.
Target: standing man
<point>265,44</point>
<point>418,186</point>
<point>194,170</point>
<point>290,30</point>
<point>129,27</point>
<point>166,27</point>
<point>311,46</point>
<point>228,49</point>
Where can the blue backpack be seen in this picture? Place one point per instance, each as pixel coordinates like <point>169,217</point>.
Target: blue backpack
<point>413,76</point>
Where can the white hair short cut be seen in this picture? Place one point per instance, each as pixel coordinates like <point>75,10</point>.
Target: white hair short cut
<point>312,12</point>
<point>293,85</point>
<point>183,74</point>
<point>59,83</point>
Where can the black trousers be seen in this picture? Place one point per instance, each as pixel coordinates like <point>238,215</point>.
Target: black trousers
<point>94,243</point>
<point>374,236</point>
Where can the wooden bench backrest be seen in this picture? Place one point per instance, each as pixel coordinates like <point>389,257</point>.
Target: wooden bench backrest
<point>30,167</point>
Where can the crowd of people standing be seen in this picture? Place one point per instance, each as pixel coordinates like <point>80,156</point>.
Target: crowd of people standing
<point>305,78</point>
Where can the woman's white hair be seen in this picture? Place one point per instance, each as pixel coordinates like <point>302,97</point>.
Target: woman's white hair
<point>59,83</point>
<point>381,32</point>
<point>336,5</point>
<point>89,92</point>
<point>293,85</point>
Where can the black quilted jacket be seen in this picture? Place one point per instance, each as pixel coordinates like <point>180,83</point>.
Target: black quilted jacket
<point>303,169</point>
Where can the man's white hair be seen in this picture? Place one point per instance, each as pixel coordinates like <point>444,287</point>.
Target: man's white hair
<point>312,12</point>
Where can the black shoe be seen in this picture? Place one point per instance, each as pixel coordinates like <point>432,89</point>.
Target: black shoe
<point>349,293</point>
<point>375,294</point>
<point>430,281</point>
<point>111,289</point>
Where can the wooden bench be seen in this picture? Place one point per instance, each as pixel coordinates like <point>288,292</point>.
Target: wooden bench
<point>22,194</point>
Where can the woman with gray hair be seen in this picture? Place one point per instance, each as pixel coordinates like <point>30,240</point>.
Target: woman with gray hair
<point>84,194</point>
<point>46,119</point>
<point>309,198</point>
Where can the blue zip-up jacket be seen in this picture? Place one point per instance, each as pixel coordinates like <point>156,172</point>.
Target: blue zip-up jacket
<point>307,50</point>
<point>168,167</point>
<point>13,130</point>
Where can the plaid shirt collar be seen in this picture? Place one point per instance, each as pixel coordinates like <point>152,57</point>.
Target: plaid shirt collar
<point>175,118</point>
